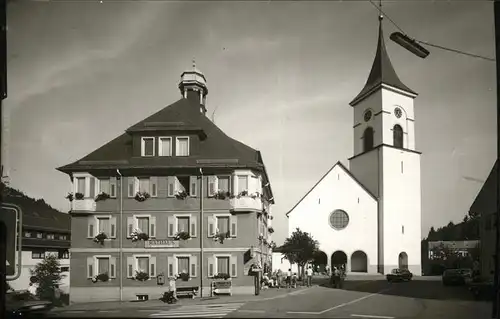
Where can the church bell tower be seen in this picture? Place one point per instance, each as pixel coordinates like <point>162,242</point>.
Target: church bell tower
<point>193,86</point>
<point>386,161</point>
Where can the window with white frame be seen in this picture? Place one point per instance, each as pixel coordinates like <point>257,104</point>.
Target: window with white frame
<point>183,265</point>
<point>80,185</point>
<point>51,236</point>
<point>144,184</point>
<point>37,254</point>
<point>104,225</point>
<point>182,146</point>
<point>183,224</point>
<point>224,184</point>
<point>142,264</point>
<point>103,265</point>
<point>147,146</point>
<point>143,224</point>
<point>242,183</point>
<point>165,146</point>
<point>63,254</point>
<point>39,235</point>
<point>105,186</point>
<point>223,224</point>
<point>222,264</point>
<point>27,234</point>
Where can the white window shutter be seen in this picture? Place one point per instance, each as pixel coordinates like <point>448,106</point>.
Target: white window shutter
<point>212,185</point>
<point>112,187</point>
<point>112,267</point>
<point>131,186</point>
<point>91,227</point>
<point>233,225</point>
<point>193,228</point>
<point>152,267</point>
<point>170,226</point>
<point>170,186</point>
<point>130,226</point>
<point>211,266</point>
<point>153,186</point>
<point>90,267</point>
<point>193,186</point>
<point>130,267</point>
<point>210,226</point>
<point>193,266</point>
<point>233,271</point>
<point>152,227</point>
<point>170,266</point>
<point>112,226</point>
<point>177,185</point>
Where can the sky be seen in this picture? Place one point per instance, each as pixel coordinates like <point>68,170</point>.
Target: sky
<point>280,77</point>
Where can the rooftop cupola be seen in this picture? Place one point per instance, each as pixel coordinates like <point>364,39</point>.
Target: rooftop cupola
<point>193,86</point>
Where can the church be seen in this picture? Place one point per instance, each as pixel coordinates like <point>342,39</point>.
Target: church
<point>368,216</point>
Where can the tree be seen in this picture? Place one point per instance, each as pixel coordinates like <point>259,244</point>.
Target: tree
<point>300,248</point>
<point>47,274</point>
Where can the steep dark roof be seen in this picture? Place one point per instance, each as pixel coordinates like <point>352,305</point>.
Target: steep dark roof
<point>216,148</point>
<point>348,173</point>
<point>37,215</point>
<point>382,72</point>
<point>485,202</point>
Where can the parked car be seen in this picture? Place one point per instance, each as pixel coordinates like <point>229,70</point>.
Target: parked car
<point>453,277</point>
<point>482,290</point>
<point>399,274</point>
<point>22,304</point>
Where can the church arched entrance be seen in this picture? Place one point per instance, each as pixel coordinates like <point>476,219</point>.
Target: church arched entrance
<point>339,258</point>
<point>359,261</point>
<point>320,261</point>
<point>403,260</point>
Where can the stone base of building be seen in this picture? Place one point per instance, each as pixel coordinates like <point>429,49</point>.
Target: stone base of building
<point>100,294</point>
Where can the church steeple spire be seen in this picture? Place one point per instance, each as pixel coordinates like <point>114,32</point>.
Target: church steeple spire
<point>382,71</point>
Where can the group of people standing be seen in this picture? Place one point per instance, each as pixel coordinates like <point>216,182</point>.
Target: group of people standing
<point>338,275</point>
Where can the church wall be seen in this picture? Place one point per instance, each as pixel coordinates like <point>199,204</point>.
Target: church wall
<point>401,203</point>
<point>366,169</point>
<point>373,102</point>
<point>339,191</point>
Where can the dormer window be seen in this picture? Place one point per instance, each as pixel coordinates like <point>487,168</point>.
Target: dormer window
<point>165,146</point>
<point>147,146</point>
<point>182,146</point>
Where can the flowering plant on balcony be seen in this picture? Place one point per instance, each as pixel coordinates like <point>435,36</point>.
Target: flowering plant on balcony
<point>79,196</point>
<point>99,238</point>
<point>141,275</point>
<point>182,194</point>
<point>255,195</point>
<point>271,217</point>
<point>141,196</point>
<point>272,244</point>
<point>220,194</point>
<point>184,235</point>
<point>270,229</point>
<point>102,196</point>
<point>184,276</point>
<point>221,236</point>
<point>264,241</point>
<point>221,276</point>
<point>138,235</point>
<point>70,197</point>
<point>261,237</point>
<point>101,277</point>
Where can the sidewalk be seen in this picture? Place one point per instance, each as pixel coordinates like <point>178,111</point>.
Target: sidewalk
<point>265,294</point>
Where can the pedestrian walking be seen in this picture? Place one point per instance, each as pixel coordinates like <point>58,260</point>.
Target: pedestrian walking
<point>289,278</point>
<point>309,272</point>
<point>172,288</point>
<point>336,277</point>
<point>279,277</point>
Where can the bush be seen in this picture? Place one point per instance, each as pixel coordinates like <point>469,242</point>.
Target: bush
<point>47,274</point>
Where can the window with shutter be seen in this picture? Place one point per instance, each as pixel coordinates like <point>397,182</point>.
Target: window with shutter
<point>92,187</point>
<point>80,185</point>
<point>112,187</point>
<point>90,267</point>
<point>104,184</point>
<point>130,267</point>
<point>171,186</point>
<point>194,231</point>
<point>91,227</point>
<point>193,186</point>
<point>154,186</point>
<point>170,225</point>
<point>131,186</point>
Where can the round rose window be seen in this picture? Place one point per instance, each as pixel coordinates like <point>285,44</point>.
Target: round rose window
<point>339,219</point>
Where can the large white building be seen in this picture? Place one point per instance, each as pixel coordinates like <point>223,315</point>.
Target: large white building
<point>368,216</point>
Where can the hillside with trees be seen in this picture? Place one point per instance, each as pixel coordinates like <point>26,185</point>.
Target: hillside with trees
<point>28,204</point>
<point>468,229</point>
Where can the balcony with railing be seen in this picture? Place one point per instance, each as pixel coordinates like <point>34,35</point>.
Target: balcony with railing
<point>246,202</point>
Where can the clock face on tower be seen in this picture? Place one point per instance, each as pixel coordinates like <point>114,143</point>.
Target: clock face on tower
<point>398,112</point>
<point>368,115</point>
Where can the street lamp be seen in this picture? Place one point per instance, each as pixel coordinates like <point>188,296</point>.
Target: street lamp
<point>412,46</point>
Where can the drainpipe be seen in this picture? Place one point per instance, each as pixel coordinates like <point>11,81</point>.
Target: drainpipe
<point>121,234</point>
<point>201,233</point>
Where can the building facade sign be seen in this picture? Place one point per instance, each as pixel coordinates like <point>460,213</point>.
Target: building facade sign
<point>161,243</point>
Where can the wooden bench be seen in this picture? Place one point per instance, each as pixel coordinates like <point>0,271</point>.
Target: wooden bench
<point>187,291</point>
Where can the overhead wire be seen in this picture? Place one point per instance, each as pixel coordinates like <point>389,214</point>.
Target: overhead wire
<point>379,8</point>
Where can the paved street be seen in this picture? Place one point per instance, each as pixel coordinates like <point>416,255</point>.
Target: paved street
<point>421,298</point>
